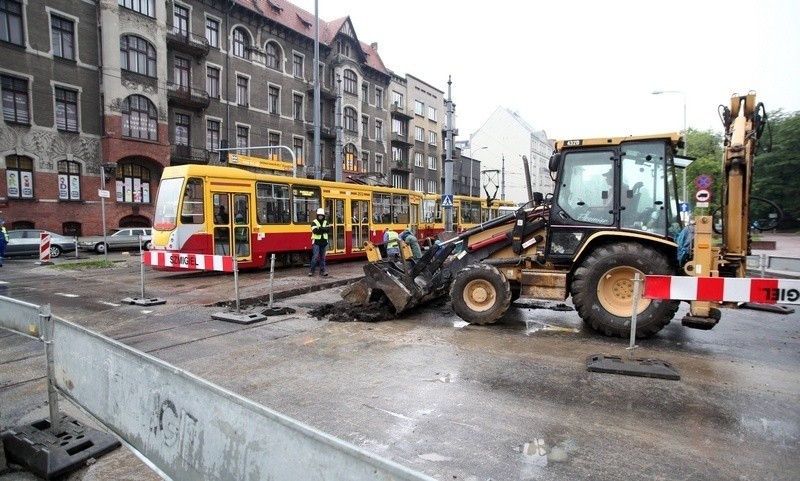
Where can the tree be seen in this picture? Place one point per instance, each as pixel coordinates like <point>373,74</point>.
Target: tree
<point>706,147</point>
<point>775,171</point>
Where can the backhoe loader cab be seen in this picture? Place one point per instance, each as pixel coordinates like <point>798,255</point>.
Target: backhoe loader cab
<point>614,213</point>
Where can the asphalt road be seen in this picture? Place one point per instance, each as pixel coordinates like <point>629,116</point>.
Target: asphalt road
<point>510,401</point>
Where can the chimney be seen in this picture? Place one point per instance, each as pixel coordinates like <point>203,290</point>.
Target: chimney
<point>374,46</point>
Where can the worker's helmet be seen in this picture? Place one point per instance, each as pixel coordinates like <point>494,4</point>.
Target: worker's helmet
<point>320,211</point>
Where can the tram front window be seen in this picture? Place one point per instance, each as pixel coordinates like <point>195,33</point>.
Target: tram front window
<point>169,195</point>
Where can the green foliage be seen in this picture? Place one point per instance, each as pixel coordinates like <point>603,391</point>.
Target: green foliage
<point>79,266</point>
<point>706,147</point>
<point>775,172</point>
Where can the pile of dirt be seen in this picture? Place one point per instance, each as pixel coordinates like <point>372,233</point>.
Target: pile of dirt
<point>345,312</point>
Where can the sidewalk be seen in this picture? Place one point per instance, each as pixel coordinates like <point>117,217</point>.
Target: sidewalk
<point>784,261</point>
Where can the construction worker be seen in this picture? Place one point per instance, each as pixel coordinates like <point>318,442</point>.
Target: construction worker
<point>409,238</point>
<point>390,238</point>
<point>319,243</point>
<point>3,240</point>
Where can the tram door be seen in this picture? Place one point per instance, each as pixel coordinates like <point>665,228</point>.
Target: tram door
<point>336,216</point>
<point>231,224</point>
<point>359,209</point>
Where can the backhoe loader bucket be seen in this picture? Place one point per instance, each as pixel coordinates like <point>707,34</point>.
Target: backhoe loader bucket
<point>382,278</point>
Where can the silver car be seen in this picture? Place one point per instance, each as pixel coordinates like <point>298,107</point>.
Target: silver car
<point>25,242</point>
<point>129,238</point>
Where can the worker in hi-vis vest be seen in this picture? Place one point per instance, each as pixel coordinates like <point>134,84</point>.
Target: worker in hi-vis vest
<point>319,243</point>
<point>390,238</point>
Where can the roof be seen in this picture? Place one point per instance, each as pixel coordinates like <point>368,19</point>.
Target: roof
<point>295,18</point>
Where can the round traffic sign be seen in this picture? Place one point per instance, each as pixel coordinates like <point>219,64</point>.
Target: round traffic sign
<point>703,181</point>
<point>703,195</point>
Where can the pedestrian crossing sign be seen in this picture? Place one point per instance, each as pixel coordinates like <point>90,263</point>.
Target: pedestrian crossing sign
<point>447,200</point>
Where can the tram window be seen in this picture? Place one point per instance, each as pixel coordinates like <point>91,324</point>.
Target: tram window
<point>470,211</point>
<point>382,207</point>
<point>272,203</point>
<point>305,200</point>
<point>192,208</point>
<point>400,208</point>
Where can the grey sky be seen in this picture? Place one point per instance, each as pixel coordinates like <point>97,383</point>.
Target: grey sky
<point>580,68</point>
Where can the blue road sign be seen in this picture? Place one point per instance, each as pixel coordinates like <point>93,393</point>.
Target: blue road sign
<point>447,201</point>
<point>703,181</point>
<point>684,207</point>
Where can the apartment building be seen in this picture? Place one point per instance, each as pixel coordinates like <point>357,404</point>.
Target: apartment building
<point>117,90</point>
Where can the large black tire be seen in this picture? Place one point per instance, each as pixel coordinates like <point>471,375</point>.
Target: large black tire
<point>480,294</point>
<point>602,290</point>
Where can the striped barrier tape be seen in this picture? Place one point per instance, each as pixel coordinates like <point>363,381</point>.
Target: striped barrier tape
<point>723,289</point>
<point>199,262</point>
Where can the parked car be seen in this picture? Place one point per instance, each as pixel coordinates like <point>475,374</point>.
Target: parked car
<point>121,239</point>
<point>25,242</point>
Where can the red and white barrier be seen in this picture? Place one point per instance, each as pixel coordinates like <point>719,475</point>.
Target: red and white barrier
<point>200,262</point>
<point>723,289</point>
<point>44,247</point>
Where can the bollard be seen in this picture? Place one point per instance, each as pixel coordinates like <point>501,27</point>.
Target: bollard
<point>46,326</point>
<point>271,278</point>
<point>632,347</point>
<point>236,282</point>
<point>44,248</point>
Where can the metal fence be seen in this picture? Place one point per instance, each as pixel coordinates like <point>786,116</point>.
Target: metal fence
<point>185,426</point>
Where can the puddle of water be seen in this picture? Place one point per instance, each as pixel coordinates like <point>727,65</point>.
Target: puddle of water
<point>532,327</point>
<point>538,453</point>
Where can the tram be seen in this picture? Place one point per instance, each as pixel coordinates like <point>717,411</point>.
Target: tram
<point>232,211</point>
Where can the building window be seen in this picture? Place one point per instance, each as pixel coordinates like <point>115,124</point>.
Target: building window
<point>66,110</point>
<point>139,118</point>
<point>432,162</point>
<point>399,127</point>
<point>273,100</point>
<point>137,55</point>
<point>273,56</point>
<point>62,33</point>
<point>297,106</point>
<point>419,134</point>
<point>182,71</point>
<point>379,130</point>
<point>419,185</point>
<point>431,187</point>
<point>242,139</point>
<point>212,135</point>
<point>397,98</point>
<point>274,140</point>
<point>299,151</point>
<point>241,43</point>
<point>432,137</point>
<point>364,161</point>
<point>349,160</point>
<point>69,180</point>
<point>432,113</point>
<point>180,20</point>
<point>297,65</point>
<point>419,108</point>
<point>365,126</point>
<point>11,22</point>
<point>379,163</point>
<point>145,7</point>
<point>350,82</point>
<point>212,82</point>
<point>419,159</point>
<point>242,90</point>
<point>183,127</point>
<point>378,98</point>
<point>15,100</point>
<point>350,122</point>
<point>19,177</point>
<point>133,183</point>
<point>212,32</point>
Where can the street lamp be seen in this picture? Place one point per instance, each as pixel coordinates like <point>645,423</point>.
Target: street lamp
<point>685,131</point>
<point>472,162</point>
<point>103,193</point>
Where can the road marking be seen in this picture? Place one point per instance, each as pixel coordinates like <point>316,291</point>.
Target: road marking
<point>110,304</point>
<point>63,294</point>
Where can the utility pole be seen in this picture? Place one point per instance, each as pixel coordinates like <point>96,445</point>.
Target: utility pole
<point>448,159</point>
<point>317,114</point>
<point>339,139</point>
<point>503,178</point>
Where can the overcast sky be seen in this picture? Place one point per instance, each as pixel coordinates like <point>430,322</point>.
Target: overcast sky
<point>576,68</point>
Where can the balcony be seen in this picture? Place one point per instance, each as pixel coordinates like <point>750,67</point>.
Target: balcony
<point>187,97</point>
<point>399,138</point>
<point>186,42</point>
<point>403,165</point>
<point>325,93</point>
<point>399,111</point>
<point>326,132</point>
<point>186,154</point>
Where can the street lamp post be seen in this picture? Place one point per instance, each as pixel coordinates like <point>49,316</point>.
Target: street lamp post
<point>103,193</point>
<point>685,131</point>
